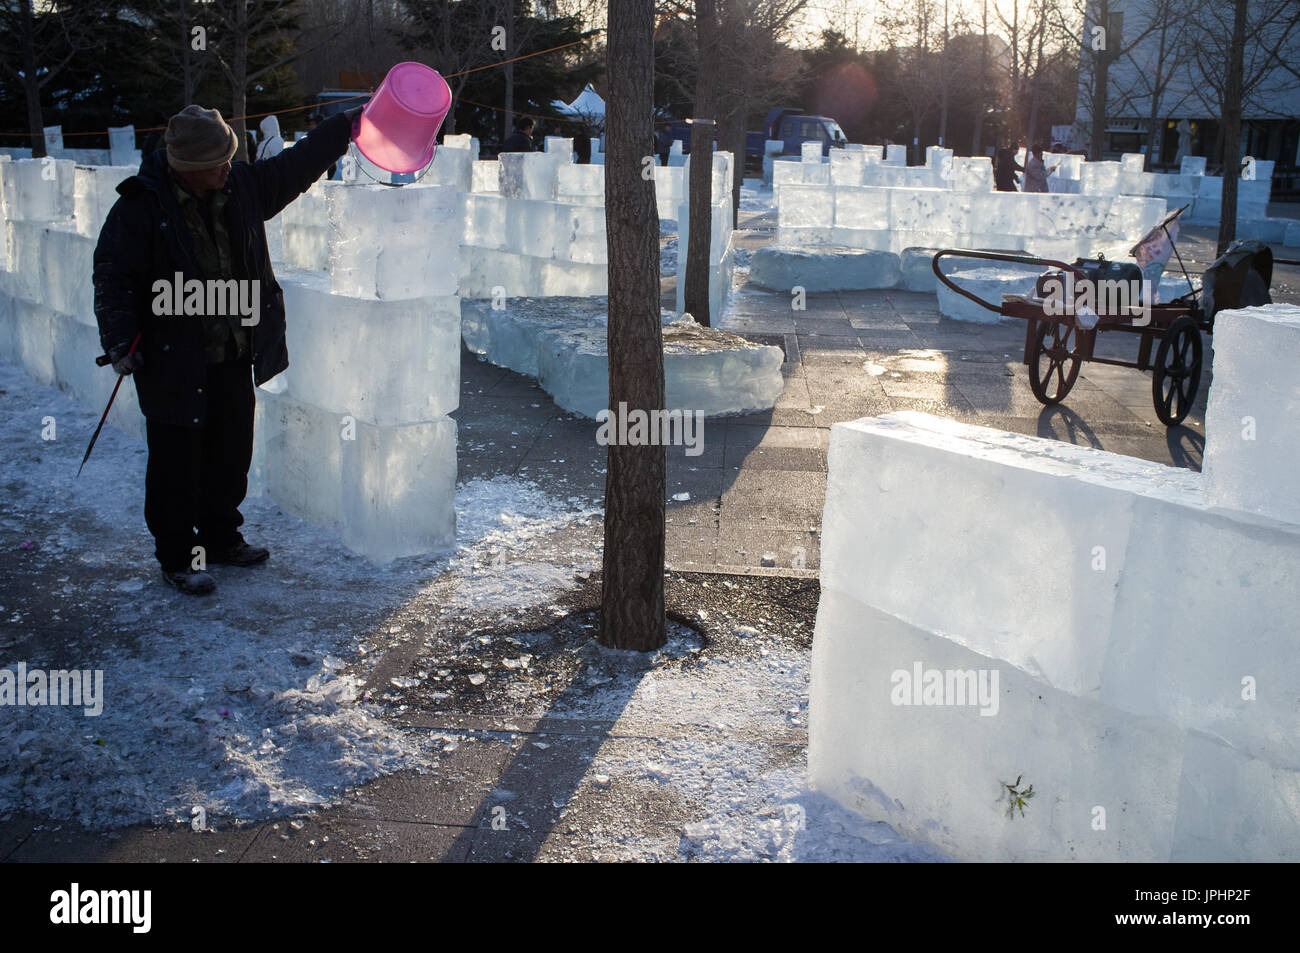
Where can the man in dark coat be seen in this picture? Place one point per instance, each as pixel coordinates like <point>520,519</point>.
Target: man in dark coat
<point>189,220</point>
<point>1005,168</point>
<point>521,140</point>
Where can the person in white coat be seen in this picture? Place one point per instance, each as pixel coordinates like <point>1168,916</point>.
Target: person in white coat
<point>272,142</point>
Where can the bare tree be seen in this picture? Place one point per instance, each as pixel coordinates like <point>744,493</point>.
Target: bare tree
<point>1228,73</point>
<point>632,595</point>
<point>700,184</point>
<point>1102,40</point>
<point>908,29</point>
<point>1150,84</point>
<point>460,38</point>
<point>981,92</point>
<point>35,46</point>
<point>239,25</point>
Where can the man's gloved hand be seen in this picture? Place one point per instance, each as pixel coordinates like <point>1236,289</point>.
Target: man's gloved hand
<point>123,362</point>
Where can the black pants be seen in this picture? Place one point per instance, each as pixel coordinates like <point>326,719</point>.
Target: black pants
<point>197,476</point>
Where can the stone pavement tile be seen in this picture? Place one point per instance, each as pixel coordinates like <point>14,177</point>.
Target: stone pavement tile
<point>917,386</point>
<point>692,547</point>
<point>888,340</point>
<point>953,405</point>
<point>1002,397</point>
<point>542,774</point>
<point>788,498</point>
<point>823,323</point>
<point>704,484</point>
<point>800,417</point>
<point>604,816</point>
<point>744,436</point>
<point>329,838</point>
<point>816,304</point>
<point>821,356</point>
<point>452,793</point>
<point>745,545</point>
<point>944,337</point>
<point>176,842</point>
<point>776,458</point>
<point>15,829</point>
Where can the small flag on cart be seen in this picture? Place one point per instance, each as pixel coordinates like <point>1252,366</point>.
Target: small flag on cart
<point>1157,245</point>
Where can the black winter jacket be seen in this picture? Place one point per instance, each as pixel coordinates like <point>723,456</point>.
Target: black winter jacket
<point>145,238</point>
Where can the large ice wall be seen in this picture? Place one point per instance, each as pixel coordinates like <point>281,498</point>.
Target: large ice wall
<point>356,433</point>
<point>890,219</point>
<point>1147,680</point>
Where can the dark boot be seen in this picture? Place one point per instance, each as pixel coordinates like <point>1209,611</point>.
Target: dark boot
<point>240,554</point>
<point>190,583</point>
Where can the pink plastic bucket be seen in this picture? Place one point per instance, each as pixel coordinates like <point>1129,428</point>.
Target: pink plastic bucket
<point>398,128</point>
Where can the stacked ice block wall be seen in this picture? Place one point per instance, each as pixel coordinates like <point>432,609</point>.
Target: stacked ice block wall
<point>355,434</point>
<point>891,219</point>
<point>52,213</point>
<point>1139,620</point>
<point>542,232</point>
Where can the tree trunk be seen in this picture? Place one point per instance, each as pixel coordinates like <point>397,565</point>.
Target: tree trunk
<point>1231,128</point>
<point>700,183</point>
<point>507,126</point>
<point>981,94</point>
<point>32,81</point>
<point>732,137</point>
<point>1100,82</point>
<point>700,231</point>
<point>632,590</point>
<point>943,81</point>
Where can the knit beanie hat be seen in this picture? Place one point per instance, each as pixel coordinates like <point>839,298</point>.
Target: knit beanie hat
<point>199,139</point>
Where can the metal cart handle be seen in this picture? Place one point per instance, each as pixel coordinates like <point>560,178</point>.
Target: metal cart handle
<point>991,256</point>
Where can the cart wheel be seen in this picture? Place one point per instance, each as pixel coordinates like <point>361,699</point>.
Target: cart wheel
<point>1177,371</point>
<point>1054,362</point>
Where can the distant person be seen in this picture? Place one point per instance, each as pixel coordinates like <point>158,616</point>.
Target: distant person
<point>582,148</point>
<point>521,140</point>
<point>1036,172</point>
<point>1005,169</point>
<point>663,145</point>
<point>272,141</point>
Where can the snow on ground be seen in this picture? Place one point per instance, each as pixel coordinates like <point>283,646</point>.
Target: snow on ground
<point>245,702</point>
<point>718,721</point>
